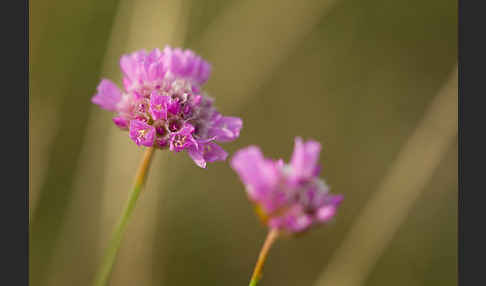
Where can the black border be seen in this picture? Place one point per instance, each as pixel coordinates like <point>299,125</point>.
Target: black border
<point>471,196</point>
<point>25,279</point>
<point>14,210</point>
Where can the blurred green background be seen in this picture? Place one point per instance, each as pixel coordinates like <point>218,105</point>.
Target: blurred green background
<point>374,81</point>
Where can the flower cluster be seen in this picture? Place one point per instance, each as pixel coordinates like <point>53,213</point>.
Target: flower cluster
<point>289,197</point>
<point>163,106</point>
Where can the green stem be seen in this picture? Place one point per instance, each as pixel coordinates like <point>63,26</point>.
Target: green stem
<point>104,272</point>
<point>257,272</point>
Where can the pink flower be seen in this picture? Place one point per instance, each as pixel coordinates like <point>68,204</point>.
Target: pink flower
<point>182,139</point>
<point>162,104</point>
<point>289,197</point>
<point>186,64</point>
<point>142,133</point>
<point>108,95</point>
<point>225,128</point>
<point>158,106</point>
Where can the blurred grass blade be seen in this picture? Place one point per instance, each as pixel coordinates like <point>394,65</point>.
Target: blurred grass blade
<point>388,207</point>
<point>43,109</point>
<point>106,266</point>
<point>232,41</point>
<point>43,126</point>
<point>82,228</point>
<point>69,75</point>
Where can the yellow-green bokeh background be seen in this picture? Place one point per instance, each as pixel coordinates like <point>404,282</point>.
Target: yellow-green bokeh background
<point>362,77</point>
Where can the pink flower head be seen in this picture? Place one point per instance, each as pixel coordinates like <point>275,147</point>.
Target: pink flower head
<point>289,197</point>
<point>163,105</point>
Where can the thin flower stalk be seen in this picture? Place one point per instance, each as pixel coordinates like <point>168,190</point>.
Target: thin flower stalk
<point>103,275</point>
<point>262,257</point>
